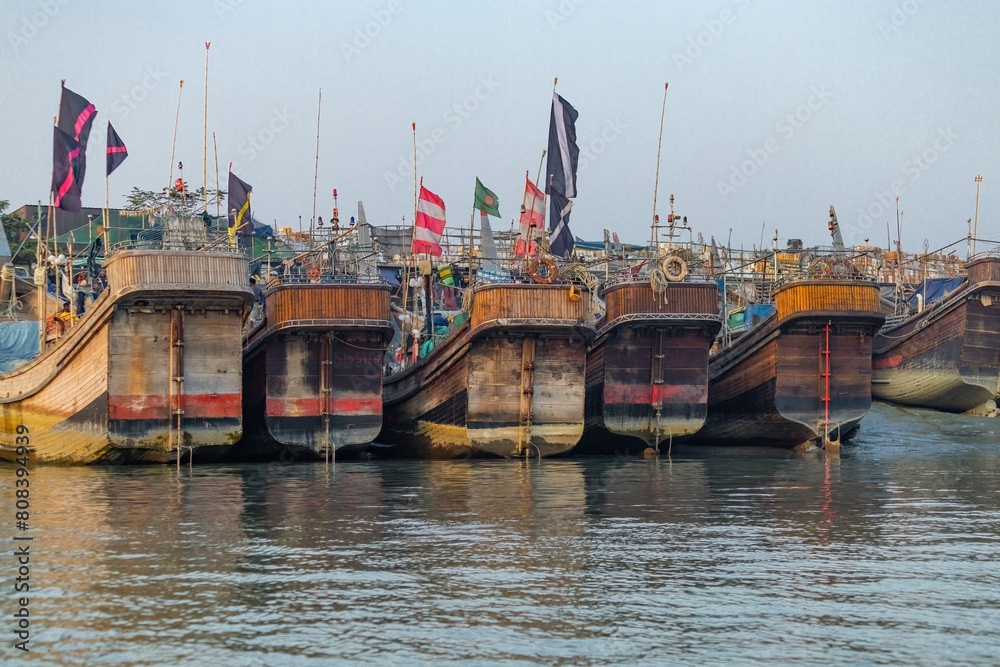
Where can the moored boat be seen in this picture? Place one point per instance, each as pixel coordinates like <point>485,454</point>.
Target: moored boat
<point>800,376</point>
<point>313,367</point>
<point>946,355</point>
<point>152,372</point>
<point>647,372</point>
<point>508,382</point>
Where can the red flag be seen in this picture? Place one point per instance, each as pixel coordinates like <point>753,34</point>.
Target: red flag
<point>429,225</point>
<point>532,219</point>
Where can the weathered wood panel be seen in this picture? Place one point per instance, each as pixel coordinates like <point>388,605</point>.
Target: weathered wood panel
<point>286,302</point>
<point>630,298</point>
<point>802,296</point>
<point>100,392</point>
<point>504,301</point>
<point>947,357</point>
<point>555,385</point>
<point>983,270</point>
<point>213,269</point>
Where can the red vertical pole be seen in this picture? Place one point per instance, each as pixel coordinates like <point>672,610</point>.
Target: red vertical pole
<point>826,377</point>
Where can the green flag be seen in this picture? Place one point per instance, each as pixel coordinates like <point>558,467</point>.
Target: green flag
<point>486,201</point>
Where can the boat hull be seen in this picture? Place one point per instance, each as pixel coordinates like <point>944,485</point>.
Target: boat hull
<point>771,387</point>
<point>502,386</point>
<point>947,357</point>
<point>647,374</point>
<point>313,372</point>
<point>149,375</point>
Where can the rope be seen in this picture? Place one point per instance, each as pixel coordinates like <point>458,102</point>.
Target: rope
<point>658,281</point>
<point>14,304</point>
<point>467,298</point>
<point>578,272</point>
<point>358,347</point>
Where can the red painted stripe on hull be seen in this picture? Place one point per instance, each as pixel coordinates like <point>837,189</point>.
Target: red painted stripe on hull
<point>211,406</point>
<point>307,407</point>
<point>887,362</point>
<point>645,395</point>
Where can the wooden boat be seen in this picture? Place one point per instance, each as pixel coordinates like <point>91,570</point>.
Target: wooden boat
<point>312,380</point>
<point>647,372</point>
<point>508,382</point>
<point>152,371</point>
<point>947,356</point>
<point>800,376</point>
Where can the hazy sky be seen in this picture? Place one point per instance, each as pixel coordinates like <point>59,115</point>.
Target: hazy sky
<point>776,109</point>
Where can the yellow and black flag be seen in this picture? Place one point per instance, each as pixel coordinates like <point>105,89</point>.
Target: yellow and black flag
<point>239,207</point>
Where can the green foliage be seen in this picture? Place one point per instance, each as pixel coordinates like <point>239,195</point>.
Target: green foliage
<point>183,201</point>
<point>14,225</point>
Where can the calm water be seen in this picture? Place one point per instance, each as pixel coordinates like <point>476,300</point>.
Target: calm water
<point>888,555</point>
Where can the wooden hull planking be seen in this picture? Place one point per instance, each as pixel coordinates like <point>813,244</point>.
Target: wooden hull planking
<point>769,387</point>
<point>115,389</point>
<point>947,357</point>
<point>313,372</point>
<point>647,374</point>
<point>509,383</point>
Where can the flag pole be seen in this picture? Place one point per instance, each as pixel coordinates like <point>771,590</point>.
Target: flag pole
<point>173,146</point>
<point>472,232</point>
<point>218,199</point>
<point>312,221</point>
<point>414,126</point>
<point>205,155</point>
<point>656,184</point>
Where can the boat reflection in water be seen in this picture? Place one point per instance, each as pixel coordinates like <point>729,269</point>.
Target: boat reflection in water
<point>728,555</point>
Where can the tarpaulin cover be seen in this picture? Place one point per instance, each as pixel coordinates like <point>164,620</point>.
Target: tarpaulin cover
<point>18,344</point>
<point>934,289</point>
<point>751,315</point>
<point>389,275</point>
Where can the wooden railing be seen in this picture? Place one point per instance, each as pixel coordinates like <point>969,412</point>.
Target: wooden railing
<point>631,298</point>
<point>176,267</point>
<point>984,269</point>
<point>828,295</point>
<point>286,302</point>
<point>509,301</point>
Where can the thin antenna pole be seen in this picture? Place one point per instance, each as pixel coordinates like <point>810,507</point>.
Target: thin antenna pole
<point>975,229</point>
<point>316,174</point>
<point>218,199</point>
<point>414,126</point>
<point>899,246</point>
<point>205,155</point>
<point>173,146</point>
<point>540,162</point>
<point>656,184</point>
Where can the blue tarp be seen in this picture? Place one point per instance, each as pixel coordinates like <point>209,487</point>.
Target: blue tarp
<point>750,316</point>
<point>389,275</point>
<point>18,344</point>
<point>934,289</point>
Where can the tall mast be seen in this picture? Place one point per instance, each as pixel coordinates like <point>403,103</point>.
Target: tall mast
<point>205,156</point>
<point>316,173</point>
<point>656,184</point>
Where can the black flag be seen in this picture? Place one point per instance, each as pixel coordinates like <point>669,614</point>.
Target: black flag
<point>563,151</point>
<point>76,115</point>
<point>116,149</point>
<point>65,160</point>
<point>560,239</point>
<point>239,206</point>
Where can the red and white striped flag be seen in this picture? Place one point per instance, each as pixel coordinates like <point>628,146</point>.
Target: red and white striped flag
<point>430,224</point>
<point>532,219</point>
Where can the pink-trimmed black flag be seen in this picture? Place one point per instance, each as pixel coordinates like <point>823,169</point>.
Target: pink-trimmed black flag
<point>65,158</point>
<point>116,149</point>
<point>76,115</point>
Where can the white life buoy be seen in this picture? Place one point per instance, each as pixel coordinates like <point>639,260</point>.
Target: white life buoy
<point>674,268</point>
